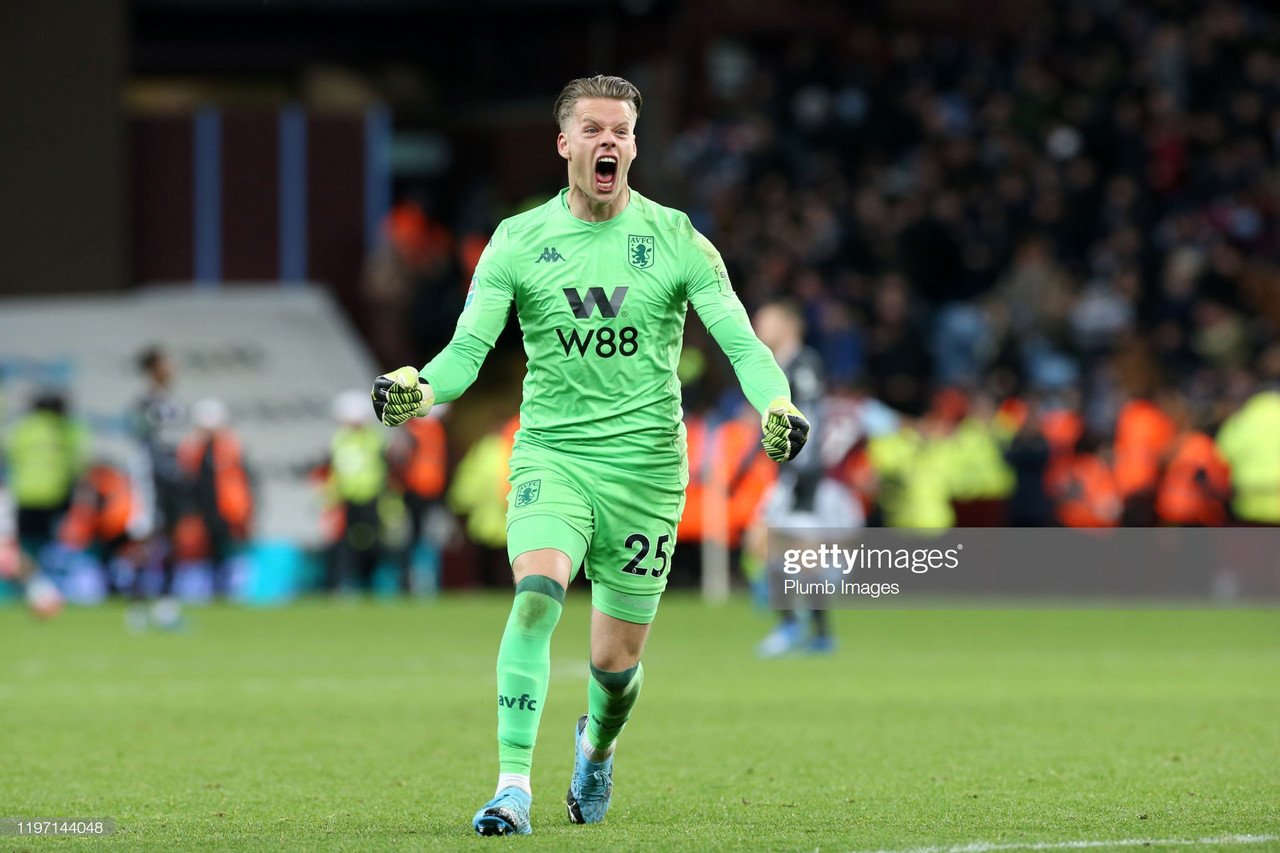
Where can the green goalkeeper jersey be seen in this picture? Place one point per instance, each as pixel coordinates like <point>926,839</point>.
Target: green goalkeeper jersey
<point>602,306</point>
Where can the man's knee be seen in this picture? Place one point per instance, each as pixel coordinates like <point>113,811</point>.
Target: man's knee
<point>535,611</point>
<point>615,659</point>
<point>615,682</point>
<point>548,562</point>
<point>616,645</point>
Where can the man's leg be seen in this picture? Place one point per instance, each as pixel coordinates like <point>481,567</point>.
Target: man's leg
<point>415,507</point>
<point>616,678</point>
<point>43,597</point>
<point>36,529</point>
<point>135,617</point>
<point>166,610</point>
<point>786,637</point>
<point>549,526</point>
<point>524,670</point>
<point>636,511</point>
<point>524,657</point>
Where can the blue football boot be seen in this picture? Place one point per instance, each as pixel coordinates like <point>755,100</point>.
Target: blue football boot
<point>824,645</point>
<point>785,639</point>
<point>506,814</point>
<point>591,785</point>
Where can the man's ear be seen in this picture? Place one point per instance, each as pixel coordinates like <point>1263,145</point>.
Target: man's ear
<point>562,145</point>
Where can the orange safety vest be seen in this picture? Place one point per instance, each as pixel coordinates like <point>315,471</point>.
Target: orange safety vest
<point>1144,435</point>
<point>423,473</point>
<point>689,529</point>
<point>1083,491</point>
<point>1184,499</point>
<point>749,473</point>
<point>231,481</point>
<point>1062,429</point>
<point>100,508</point>
<point>739,468</point>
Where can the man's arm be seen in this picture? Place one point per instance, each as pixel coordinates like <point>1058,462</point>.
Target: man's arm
<point>407,392</point>
<point>786,430</point>
<point>455,368</point>
<point>758,373</point>
<point>711,295</point>
<point>765,385</point>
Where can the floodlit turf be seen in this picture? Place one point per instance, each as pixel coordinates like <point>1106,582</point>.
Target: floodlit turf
<point>365,726</point>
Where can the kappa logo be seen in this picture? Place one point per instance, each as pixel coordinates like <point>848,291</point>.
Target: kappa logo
<point>549,255</point>
<point>640,251</point>
<point>524,702</point>
<point>609,305</point>
<point>528,492</point>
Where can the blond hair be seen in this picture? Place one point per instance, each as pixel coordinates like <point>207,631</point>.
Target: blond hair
<point>599,86</point>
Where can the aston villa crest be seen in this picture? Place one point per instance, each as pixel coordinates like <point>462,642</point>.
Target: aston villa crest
<point>528,492</point>
<point>640,251</point>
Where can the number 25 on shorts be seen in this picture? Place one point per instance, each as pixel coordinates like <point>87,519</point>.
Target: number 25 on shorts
<point>634,567</point>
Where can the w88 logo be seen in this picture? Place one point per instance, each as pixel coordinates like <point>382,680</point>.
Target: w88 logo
<point>607,342</point>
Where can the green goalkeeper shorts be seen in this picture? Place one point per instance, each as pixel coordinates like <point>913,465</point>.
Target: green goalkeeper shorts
<point>619,524</point>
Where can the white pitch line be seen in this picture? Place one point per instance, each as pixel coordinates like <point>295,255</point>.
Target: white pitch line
<point>989,846</point>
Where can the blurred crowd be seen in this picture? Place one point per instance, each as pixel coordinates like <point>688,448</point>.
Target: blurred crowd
<point>1087,205</point>
<point>1068,237</point>
<point>1056,247</point>
<point>1053,254</point>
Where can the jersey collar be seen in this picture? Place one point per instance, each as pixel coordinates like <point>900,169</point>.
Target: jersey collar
<point>632,203</point>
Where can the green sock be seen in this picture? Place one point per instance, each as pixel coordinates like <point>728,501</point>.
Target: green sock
<point>610,698</point>
<point>524,668</point>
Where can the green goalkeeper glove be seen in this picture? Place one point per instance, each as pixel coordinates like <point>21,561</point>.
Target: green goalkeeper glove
<point>785,430</point>
<point>400,395</point>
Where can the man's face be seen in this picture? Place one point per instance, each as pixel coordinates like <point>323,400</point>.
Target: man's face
<point>774,327</point>
<point>599,144</point>
<point>162,370</point>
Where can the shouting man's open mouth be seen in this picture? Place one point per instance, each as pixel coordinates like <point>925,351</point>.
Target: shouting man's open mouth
<point>606,173</point>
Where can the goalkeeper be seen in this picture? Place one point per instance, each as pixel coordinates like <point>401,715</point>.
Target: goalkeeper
<point>601,278</point>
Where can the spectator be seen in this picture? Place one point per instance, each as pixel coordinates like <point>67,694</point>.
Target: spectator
<point>479,492</point>
<point>213,462</point>
<point>45,455</point>
<point>417,455</point>
<point>1247,441</point>
<point>158,422</point>
<point>1196,484</point>
<point>97,523</point>
<point>356,487</point>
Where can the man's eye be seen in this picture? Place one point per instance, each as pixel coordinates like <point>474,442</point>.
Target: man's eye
<point>590,130</point>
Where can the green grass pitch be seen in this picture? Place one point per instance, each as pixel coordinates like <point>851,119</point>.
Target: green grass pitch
<point>370,726</point>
